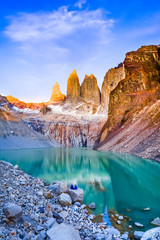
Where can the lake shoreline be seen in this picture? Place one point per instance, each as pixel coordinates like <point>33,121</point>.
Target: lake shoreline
<point>28,193</point>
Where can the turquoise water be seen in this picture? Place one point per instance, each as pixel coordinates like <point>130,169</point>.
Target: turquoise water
<point>118,181</point>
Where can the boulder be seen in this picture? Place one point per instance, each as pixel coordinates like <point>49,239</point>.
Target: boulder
<point>138,235</point>
<point>73,86</point>
<point>113,231</point>
<point>65,199</point>
<point>76,195</point>
<point>12,211</point>
<point>156,221</point>
<point>153,234</point>
<point>63,231</point>
<point>90,92</point>
<point>138,224</point>
<point>57,96</point>
<point>58,187</point>
<point>92,205</point>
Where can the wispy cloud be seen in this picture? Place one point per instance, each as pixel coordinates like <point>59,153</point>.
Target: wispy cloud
<point>80,3</point>
<point>55,25</point>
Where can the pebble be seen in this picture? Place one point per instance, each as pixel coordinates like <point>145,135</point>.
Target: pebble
<point>138,224</point>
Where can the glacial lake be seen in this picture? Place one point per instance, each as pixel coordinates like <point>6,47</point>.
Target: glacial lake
<point>115,181</point>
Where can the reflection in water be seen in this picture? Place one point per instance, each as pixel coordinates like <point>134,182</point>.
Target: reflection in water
<point>118,181</point>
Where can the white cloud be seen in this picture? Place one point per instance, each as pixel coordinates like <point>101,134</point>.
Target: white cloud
<point>80,3</point>
<point>42,26</point>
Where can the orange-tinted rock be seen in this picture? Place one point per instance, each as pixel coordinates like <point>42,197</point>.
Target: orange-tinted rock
<point>90,92</point>
<point>57,96</point>
<point>73,86</point>
<point>111,80</point>
<point>138,90</point>
<point>16,102</point>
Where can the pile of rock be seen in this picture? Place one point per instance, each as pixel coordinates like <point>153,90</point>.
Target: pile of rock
<point>30,210</point>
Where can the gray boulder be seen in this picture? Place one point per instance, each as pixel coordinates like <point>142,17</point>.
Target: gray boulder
<point>12,211</point>
<point>152,234</point>
<point>156,221</point>
<point>92,205</point>
<point>65,199</point>
<point>138,235</point>
<point>63,232</point>
<point>76,195</point>
<point>58,187</point>
<point>113,231</point>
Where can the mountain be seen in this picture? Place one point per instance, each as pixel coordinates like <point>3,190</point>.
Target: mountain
<point>134,113</point>
<point>124,116</point>
<point>57,96</point>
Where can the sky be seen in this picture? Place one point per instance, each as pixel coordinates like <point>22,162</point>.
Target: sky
<point>41,42</point>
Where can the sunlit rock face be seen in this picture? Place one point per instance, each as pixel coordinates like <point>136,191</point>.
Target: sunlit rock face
<point>137,92</point>
<point>111,80</point>
<point>90,92</point>
<point>73,86</point>
<point>57,96</point>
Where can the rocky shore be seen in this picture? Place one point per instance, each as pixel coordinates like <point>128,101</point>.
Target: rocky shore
<point>32,210</point>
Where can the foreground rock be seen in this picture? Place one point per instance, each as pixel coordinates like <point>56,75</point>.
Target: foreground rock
<point>153,234</point>
<point>12,211</point>
<point>156,222</point>
<point>65,199</point>
<point>63,231</point>
<point>138,235</point>
<point>43,217</point>
<point>76,195</point>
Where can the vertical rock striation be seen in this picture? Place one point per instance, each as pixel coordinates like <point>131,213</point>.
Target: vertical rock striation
<point>139,89</point>
<point>111,80</point>
<point>73,86</point>
<point>90,92</point>
<point>57,96</point>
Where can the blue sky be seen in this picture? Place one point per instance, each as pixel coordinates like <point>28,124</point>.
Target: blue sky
<point>41,42</point>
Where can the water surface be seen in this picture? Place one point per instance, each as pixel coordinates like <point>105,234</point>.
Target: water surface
<point>118,181</point>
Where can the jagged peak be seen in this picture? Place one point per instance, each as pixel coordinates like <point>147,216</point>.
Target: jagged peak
<point>74,72</point>
<point>10,98</point>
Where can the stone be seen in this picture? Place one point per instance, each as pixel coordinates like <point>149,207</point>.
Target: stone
<point>146,209</point>
<point>50,222</point>
<point>78,204</point>
<point>65,199</point>
<point>138,235</point>
<point>118,222</point>
<point>63,214</point>
<point>48,195</point>
<point>120,217</point>
<point>113,231</point>
<point>58,187</point>
<point>153,234</point>
<point>56,215</point>
<point>73,86</point>
<point>125,236</point>
<point>12,211</point>
<point>138,224</point>
<point>90,92</point>
<point>156,221</point>
<point>76,195</point>
<point>57,96</point>
<point>63,231</point>
<point>92,205</point>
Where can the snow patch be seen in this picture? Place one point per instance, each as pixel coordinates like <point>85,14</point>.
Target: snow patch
<point>25,110</point>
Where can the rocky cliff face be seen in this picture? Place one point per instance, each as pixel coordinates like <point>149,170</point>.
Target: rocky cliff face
<point>90,92</point>
<point>111,80</point>
<point>56,96</point>
<point>73,86</point>
<point>129,98</point>
<point>139,90</point>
